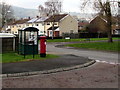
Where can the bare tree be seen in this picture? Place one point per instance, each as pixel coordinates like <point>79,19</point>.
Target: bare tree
<point>6,13</point>
<point>51,7</point>
<point>104,9</point>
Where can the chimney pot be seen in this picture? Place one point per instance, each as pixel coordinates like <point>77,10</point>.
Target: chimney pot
<point>37,16</point>
<point>28,17</point>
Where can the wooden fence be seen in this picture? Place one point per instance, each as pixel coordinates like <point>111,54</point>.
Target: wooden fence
<point>9,44</point>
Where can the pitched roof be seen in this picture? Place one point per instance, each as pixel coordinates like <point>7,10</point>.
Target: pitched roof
<point>82,23</point>
<point>6,35</point>
<point>55,18</point>
<point>19,22</point>
<point>37,20</point>
<point>32,20</point>
<point>42,19</point>
<point>98,24</point>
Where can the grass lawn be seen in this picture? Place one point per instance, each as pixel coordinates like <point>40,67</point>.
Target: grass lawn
<point>14,57</point>
<point>98,46</point>
<point>77,40</point>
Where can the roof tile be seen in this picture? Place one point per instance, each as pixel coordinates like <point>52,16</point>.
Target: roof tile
<point>55,18</point>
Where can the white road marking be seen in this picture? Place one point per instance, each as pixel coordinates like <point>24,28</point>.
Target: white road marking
<point>116,63</point>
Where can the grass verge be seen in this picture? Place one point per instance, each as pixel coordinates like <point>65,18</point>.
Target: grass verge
<point>98,46</point>
<point>14,57</point>
<point>77,40</point>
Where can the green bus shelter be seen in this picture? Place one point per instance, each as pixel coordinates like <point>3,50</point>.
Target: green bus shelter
<point>28,41</point>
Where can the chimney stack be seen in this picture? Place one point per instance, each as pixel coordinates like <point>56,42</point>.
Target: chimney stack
<point>29,18</point>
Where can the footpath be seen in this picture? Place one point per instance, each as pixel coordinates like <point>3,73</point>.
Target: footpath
<point>63,63</point>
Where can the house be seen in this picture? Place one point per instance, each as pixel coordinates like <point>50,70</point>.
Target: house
<point>115,29</point>
<point>116,32</point>
<point>14,26</point>
<point>82,25</point>
<point>38,23</point>
<point>63,23</point>
<point>116,26</point>
<point>98,25</point>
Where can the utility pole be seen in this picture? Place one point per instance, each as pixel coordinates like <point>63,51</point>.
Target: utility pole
<point>53,17</point>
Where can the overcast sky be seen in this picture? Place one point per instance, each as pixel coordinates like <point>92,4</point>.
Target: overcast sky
<point>68,5</point>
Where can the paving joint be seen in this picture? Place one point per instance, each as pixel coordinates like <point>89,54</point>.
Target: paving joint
<point>48,71</point>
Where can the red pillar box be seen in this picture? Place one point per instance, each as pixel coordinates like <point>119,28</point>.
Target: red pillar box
<point>42,46</point>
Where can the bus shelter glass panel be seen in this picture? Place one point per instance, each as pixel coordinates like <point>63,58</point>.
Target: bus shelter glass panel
<point>28,41</point>
<point>31,38</point>
<point>23,37</point>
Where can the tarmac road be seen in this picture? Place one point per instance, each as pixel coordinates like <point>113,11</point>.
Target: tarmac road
<point>91,54</point>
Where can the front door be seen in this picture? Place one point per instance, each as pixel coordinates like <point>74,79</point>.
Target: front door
<point>56,34</point>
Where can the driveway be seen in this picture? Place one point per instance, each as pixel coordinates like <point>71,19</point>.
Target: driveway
<point>97,55</point>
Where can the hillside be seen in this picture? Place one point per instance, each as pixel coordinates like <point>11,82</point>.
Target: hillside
<point>23,12</point>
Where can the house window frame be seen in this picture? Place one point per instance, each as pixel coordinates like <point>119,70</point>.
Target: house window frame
<point>55,23</point>
<point>71,31</point>
<point>27,24</point>
<point>48,23</point>
<point>37,24</point>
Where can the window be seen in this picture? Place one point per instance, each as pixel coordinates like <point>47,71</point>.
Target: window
<point>23,26</point>
<point>71,31</point>
<point>41,31</point>
<point>55,23</point>
<point>48,23</point>
<point>37,24</point>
